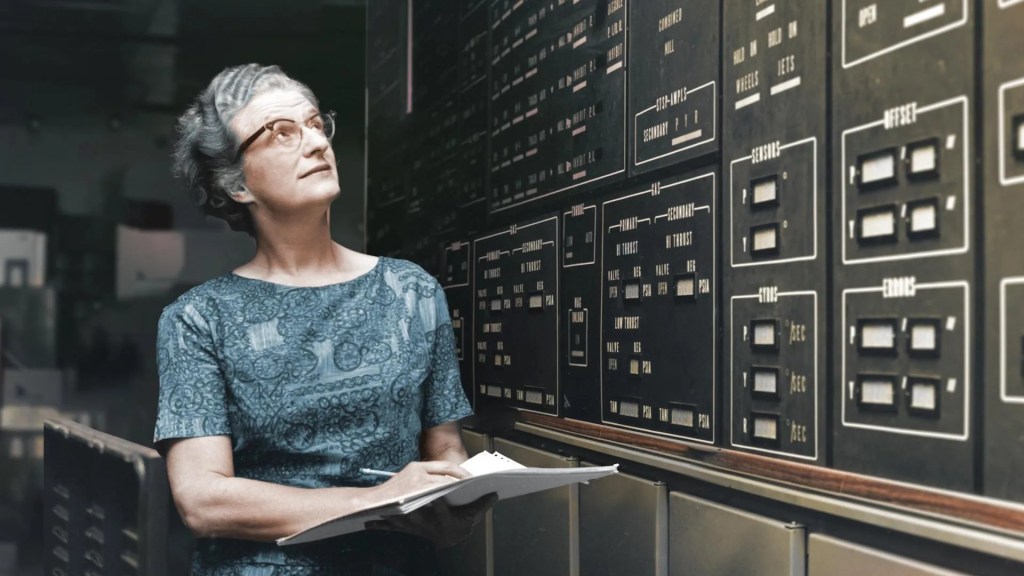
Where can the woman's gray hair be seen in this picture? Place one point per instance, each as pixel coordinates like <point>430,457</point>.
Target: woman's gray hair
<point>204,155</point>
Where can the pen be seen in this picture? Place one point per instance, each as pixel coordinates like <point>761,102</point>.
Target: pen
<point>373,472</point>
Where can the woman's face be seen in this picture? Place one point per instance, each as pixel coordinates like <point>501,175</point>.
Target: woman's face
<point>282,180</point>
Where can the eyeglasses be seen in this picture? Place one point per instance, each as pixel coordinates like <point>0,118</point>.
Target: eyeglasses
<point>286,134</point>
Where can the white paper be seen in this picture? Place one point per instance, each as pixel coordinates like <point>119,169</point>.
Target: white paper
<point>492,474</point>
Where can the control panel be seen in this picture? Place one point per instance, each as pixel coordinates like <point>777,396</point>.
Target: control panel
<point>557,97</point>
<point>472,97</point>
<point>456,276</point>
<point>903,236</point>
<point>658,293</point>
<point>1003,296</point>
<point>674,83</point>
<point>516,315</point>
<point>774,226</point>
<point>581,312</point>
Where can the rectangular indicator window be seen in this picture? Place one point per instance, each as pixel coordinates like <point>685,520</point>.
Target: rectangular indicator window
<point>631,291</point>
<point>1018,130</point>
<point>537,301</point>
<point>764,335</point>
<point>924,218</point>
<point>877,169</point>
<point>497,360</point>
<point>923,159</point>
<point>765,192</point>
<point>496,305</point>
<point>924,337</point>
<point>494,391</point>
<point>877,393</point>
<point>764,239</point>
<point>766,428</point>
<point>877,335</point>
<point>457,329</point>
<point>634,366</point>
<point>924,396</point>
<point>534,396</point>
<point>876,224</point>
<point>578,323</point>
<point>629,409</point>
<point>765,381</point>
<point>683,416</point>
<point>686,286</point>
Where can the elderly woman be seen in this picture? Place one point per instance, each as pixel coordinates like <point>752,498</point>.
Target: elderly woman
<point>280,381</point>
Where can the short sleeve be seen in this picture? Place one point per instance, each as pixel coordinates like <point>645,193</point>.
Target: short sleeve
<point>192,389</point>
<point>444,399</point>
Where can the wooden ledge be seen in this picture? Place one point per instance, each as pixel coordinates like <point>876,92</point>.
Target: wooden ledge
<point>977,511</point>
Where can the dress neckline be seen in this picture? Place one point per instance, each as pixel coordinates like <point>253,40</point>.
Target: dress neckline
<point>367,274</point>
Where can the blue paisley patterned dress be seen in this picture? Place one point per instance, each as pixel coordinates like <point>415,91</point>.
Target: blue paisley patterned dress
<point>312,384</point>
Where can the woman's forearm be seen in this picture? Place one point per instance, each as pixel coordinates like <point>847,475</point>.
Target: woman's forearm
<point>229,507</point>
<point>213,502</point>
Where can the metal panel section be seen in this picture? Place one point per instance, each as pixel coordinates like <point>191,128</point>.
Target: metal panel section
<point>558,97</point>
<point>623,527</point>
<point>104,504</point>
<point>938,528</point>
<point>386,81</point>
<point>904,248</point>
<point>456,276</point>
<point>658,341</point>
<point>387,174</point>
<point>774,280</point>
<point>516,320</point>
<point>708,538</point>
<point>580,362</point>
<point>831,557</point>
<point>471,195</point>
<point>30,326</point>
<point>537,533</point>
<point>475,442</point>
<point>474,556</point>
<point>1003,163</point>
<point>673,96</point>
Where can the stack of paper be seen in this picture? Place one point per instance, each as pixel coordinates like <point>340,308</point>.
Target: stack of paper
<point>492,474</point>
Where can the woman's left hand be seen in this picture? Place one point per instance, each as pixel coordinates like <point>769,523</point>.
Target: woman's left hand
<point>438,522</point>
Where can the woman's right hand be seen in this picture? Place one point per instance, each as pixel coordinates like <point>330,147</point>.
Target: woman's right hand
<point>420,475</point>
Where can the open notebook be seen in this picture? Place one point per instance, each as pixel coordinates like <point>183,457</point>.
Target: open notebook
<point>492,473</point>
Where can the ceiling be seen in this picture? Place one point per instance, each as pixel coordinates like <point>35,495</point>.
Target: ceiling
<point>119,57</point>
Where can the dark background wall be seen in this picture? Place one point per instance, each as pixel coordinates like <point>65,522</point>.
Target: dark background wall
<point>90,94</point>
